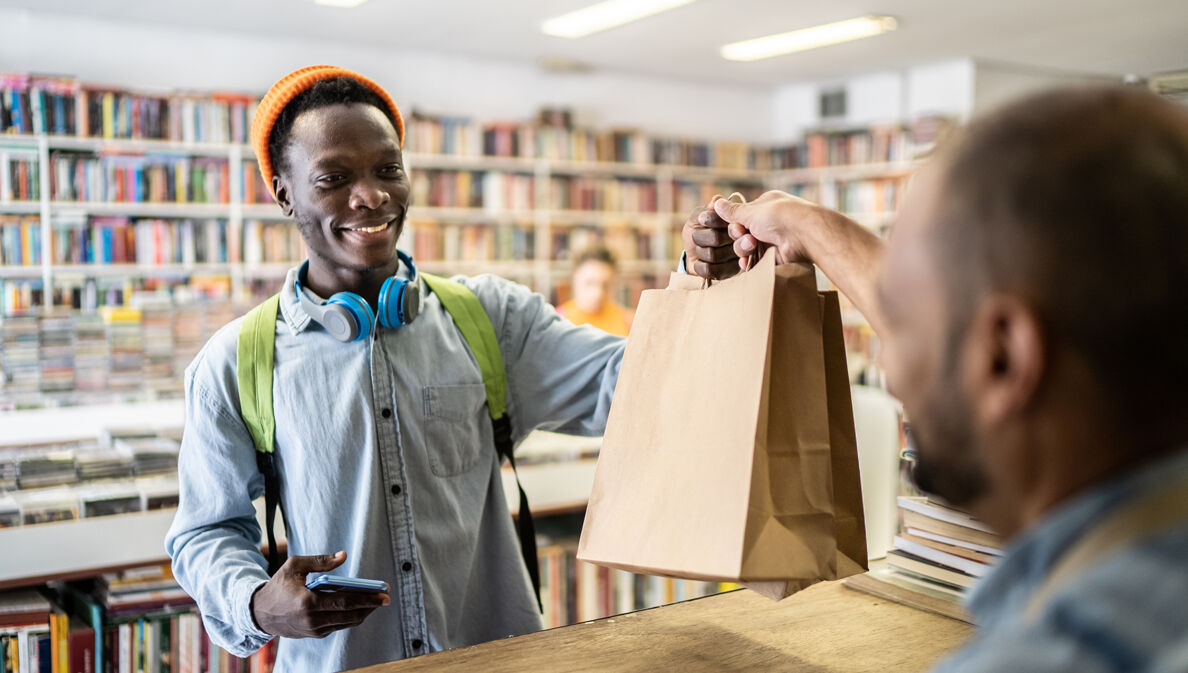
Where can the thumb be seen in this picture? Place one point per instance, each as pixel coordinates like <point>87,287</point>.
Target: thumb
<point>730,211</point>
<point>304,565</point>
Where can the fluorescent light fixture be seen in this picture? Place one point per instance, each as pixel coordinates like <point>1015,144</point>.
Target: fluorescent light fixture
<point>346,4</point>
<point>808,38</point>
<point>606,15</point>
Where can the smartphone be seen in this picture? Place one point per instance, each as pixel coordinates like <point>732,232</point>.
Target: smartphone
<point>337,583</point>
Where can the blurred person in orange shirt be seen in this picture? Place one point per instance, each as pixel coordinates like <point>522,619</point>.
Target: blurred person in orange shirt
<point>594,276</point>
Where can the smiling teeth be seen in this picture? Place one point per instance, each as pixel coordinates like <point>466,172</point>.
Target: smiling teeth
<point>372,230</point>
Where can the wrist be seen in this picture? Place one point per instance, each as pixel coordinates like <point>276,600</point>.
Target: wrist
<point>259,623</point>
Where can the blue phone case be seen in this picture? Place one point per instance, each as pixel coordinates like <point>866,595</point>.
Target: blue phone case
<point>336,583</point>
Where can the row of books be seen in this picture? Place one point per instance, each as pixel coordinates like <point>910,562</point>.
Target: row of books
<point>573,591</point>
<point>123,240</point>
<point>542,141</point>
<point>939,553</point>
<point>272,241</point>
<point>604,194</point>
<point>137,621</point>
<point>23,182</point>
<point>432,241</point>
<point>20,240</point>
<point>78,239</point>
<point>441,134</point>
<point>78,176</point>
<point>63,106</point>
<point>866,196</point>
<point>498,191</point>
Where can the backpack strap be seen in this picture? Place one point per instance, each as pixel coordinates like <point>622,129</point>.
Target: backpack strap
<point>254,360</point>
<point>253,371</point>
<point>478,332</point>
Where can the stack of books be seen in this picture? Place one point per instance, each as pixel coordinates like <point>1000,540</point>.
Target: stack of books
<point>125,343</point>
<point>20,358</point>
<point>939,553</point>
<point>151,455</point>
<point>57,351</point>
<point>90,352</point>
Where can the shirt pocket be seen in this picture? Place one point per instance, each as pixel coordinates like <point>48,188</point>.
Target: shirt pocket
<point>453,437</point>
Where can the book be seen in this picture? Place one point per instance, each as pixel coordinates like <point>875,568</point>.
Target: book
<point>940,512</point>
<point>972,536</point>
<point>930,569</point>
<point>923,550</point>
<point>885,583</point>
<point>23,607</point>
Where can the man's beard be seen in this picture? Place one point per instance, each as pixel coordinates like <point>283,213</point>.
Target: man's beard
<point>948,461</point>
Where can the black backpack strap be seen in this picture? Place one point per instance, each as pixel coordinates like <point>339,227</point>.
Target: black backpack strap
<point>524,524</point>
<point>267,467</point>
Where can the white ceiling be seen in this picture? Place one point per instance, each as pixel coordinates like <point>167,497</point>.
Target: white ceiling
<point>1107,37</point>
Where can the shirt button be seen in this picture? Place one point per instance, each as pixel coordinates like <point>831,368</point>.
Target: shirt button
<point>416,643</point>
<point>395,489</point>
<point>386,412</point>
<point>406,566</point>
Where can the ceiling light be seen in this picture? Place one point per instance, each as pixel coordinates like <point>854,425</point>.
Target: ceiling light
<point>606,15</point>
<point>808,38</point>
<point>340,3</point>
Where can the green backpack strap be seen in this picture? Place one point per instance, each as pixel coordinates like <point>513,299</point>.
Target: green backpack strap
<point>478,332</point>
<point>253,372</point>
<point>254,360</point>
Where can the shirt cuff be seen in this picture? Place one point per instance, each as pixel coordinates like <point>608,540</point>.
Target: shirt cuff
<point>681,264</point>
<point>245,623</point>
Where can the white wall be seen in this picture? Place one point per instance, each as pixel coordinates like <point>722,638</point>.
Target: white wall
<point>997,83</point>
<point>143,56</point>
<point>882,97</point>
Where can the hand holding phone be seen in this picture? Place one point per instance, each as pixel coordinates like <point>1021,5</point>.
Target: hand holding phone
<point>285,606</point>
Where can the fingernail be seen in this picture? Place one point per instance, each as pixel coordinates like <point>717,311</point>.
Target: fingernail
<point>746,244</point>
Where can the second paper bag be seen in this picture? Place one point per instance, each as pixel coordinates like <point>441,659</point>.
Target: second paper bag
<point>716,462</point>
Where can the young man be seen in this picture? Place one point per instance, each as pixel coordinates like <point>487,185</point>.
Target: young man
<point>1031,304</point>
<point>384,447</point>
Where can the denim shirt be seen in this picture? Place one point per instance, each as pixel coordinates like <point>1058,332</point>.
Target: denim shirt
<point>1127,612</point>
<point>385,450</point>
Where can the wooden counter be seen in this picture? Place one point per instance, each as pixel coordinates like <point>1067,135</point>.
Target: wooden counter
<point>823,629</point>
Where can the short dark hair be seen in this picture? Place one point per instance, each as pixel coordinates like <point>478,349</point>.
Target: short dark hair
<point>327,92</point>
<point>1077,200</point>
<point>596,253</point>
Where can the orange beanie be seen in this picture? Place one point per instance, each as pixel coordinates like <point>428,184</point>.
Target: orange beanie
<point>288,88</point>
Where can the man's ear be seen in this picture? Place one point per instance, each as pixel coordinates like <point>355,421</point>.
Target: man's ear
<point>1005,358</point>
<point>281,189</point>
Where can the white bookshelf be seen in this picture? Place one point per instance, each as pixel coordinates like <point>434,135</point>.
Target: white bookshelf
<point>542,217</point>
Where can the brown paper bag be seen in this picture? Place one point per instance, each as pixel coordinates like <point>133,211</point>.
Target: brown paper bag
<point>729,454</point>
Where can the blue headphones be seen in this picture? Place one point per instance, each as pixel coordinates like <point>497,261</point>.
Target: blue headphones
<point>348,317</point>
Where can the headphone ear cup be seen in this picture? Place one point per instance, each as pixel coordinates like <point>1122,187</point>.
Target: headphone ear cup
<point>347,317</point>
<point>399,302</point>
<point>385,302</point>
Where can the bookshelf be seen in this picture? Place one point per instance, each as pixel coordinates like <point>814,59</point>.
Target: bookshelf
<point>132,226</point>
